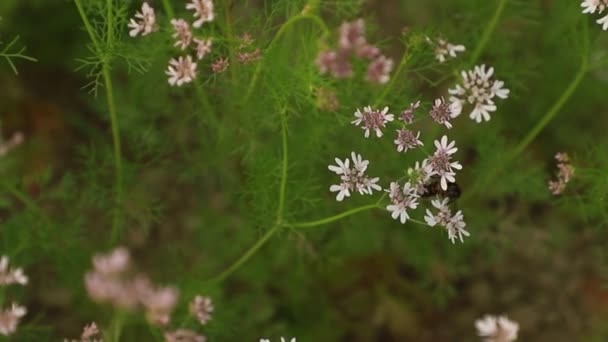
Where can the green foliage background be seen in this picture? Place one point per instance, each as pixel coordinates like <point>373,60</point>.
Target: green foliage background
<point>202,168</point>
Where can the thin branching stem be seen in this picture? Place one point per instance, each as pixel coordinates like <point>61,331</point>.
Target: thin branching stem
<point>542,122</point>
<point>246,256</point>
<point>333,218</point>
<point>275,39</point>
<point>284,166</point>
<point>26,200</point>
<point>489,30</point>
<point>394,78</point>
<point>105,69</point>
<point>168,9</point>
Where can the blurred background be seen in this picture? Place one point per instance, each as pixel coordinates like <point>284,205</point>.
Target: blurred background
<point>201,187</point>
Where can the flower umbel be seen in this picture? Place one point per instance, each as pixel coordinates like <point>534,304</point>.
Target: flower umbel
<point>202,308</point>
<point>9,319</point>
<point>479,89</point>
<point>441,161</point>
<point>10,276</point>
<point>444,49</point>
<point>402,199</point>
<point>497,329</point>
<point>146,23</point>
<point>453,224</point>
<point>203,10</point>
<point>372,119</point>
<point>183,335</point>
<point>353,178</point>
<point>406,140</point>
<point>182,34</point>
<point>442,112</point>
<point>407,115</point>
<point>565,172</point>
<point>181,71</point>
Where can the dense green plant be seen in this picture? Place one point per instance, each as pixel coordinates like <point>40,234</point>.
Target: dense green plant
<point>220,186</point>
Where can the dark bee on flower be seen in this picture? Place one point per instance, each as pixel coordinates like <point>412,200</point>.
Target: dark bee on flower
<point>433,188</point>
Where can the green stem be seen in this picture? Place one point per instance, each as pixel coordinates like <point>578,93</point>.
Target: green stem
<point>487,33</point>
<point>279,34</point>
<point>168,9</point>
<point>545,119</point>
<point>333,218</point>
<point>394,78</point>
<point>246,256</point>
<point>25,199</point>
<point>283,188</point>
<point>111,106</point>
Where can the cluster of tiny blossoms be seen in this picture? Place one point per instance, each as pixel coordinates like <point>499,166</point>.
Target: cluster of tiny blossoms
<point>111,281</point>
<point>496,329</point>
<point>90,333</point>
<point>479,89</point>
<point>565,171</point>
<point>438,168</point>
<point>444,49</point>
<point>183,69</point>
<point>352,43</point>
<point>282,340</point>
<point>599,6</point>
<point>10,317</point>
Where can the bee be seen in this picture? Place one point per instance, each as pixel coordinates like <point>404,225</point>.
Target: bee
<point>433,188</point>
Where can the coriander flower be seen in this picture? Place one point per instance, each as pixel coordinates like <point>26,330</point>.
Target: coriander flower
<point>181,71</point>
<point>565,172</point>
<point>183,335</point>
<point>10,276</point>
<point>282,340</point>
<point>444,48</point>
<point>9,319</point>
<point>442,112</point>
<point>220,65</point>
<point>402,199</point>
<point>202,308</point>
<point>441,161</point>
<point>592,6</point>
<point>146,24</point>
<point>335,62</point>
<point>379,69</point>
<point>406,140</point>
<point>453,224</point>
<point>479,90</point>
<point>497,329</point>
<point>203,9</point>
<point>182,34</point>
<point>203,47</point>
<point>352,35</point>
<point>407,115</point>
<point>372,120</point>
<point>353,178</point>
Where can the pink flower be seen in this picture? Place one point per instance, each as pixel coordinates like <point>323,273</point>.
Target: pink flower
<point>181,71</point>
<point>220,65</point>
<point>146,24</point>
<point>379,69</point>
<point>203,9</point>
<point>202,308</point>
<point>182,34</point>
<point>203,47</point>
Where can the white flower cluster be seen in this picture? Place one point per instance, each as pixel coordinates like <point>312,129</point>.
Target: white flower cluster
<point>181,70</point>
<point>10,317</point>
<point>479,90</point>
<point>496,329</point>
<point>444,49</point>
<point>599,6</point>
<point>282,340</point>
<point>453,224</point>
<point>438,168</point>
<point>353,178</point>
